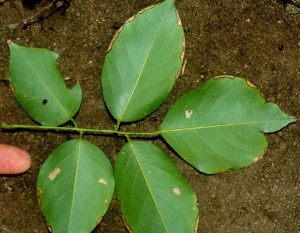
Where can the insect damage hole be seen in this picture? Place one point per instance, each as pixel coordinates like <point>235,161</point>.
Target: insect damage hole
<point>188,113</point>
<point>45,101</point>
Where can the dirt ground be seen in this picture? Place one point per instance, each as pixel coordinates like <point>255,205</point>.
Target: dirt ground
<point>258,40</point>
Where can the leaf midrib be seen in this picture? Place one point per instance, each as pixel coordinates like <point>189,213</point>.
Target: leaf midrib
<point>148,185</point>
<point>219,126</point>
<point>78,156</point>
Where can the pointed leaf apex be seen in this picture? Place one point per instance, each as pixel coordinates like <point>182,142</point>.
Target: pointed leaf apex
<point>220,125</point>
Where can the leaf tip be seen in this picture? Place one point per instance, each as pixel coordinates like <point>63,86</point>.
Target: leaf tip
<point>9,42</point>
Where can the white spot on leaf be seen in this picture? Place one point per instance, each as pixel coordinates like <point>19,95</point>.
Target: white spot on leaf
<point>102,181</point>
<point>176,191</point>
<point>53,174</point>
<point>188,113</point>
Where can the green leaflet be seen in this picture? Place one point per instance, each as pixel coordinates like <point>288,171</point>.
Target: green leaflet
<point>144,59</point>
<point>154,195</point>
<point>39,87</point>
<point>220,125</point>
<point>75,185</point>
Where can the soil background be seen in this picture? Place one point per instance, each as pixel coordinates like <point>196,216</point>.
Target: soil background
<point>257,40</point>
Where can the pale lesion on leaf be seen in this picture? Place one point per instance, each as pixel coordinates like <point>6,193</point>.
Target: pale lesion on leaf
<point>102,181</point>
<point>188,113</point>
<point>54,174</point>
<point>176,191</point>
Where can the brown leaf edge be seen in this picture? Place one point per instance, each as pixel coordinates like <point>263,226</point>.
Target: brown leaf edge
<point>127,21</point>
<point>179,23</point>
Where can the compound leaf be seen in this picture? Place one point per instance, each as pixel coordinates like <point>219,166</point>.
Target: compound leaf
<point>75,185</point>
<point>154,195</point>
<point>143,61</point>
<point>220,125</point>
<point>39,87</point>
